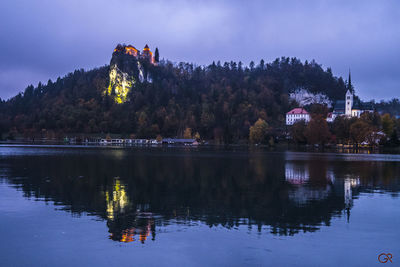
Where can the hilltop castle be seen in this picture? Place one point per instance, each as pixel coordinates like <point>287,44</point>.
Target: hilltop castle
<point>131,50</point>
<point>126,71</point>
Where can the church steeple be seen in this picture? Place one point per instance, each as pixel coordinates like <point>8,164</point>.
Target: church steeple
<point>348,103</point>
<point>349,85</point>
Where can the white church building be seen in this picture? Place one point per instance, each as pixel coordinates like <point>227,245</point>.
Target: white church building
<point>349,108</point>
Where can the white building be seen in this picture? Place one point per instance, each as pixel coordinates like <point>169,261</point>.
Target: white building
<point>297,114</point>
<point>349,103</point>
<point>349,107</point>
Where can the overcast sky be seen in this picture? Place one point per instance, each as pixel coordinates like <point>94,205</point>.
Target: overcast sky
<point>44,39</point>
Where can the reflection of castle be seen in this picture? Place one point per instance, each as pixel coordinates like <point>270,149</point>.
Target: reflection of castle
<point>142,230</point>
<point>124,222</point>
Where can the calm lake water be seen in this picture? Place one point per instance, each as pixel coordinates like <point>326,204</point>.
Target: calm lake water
<point>88,206</point>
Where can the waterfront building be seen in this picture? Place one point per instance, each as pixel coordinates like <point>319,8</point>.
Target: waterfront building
<point>349,107</point>
<point>297,114</point>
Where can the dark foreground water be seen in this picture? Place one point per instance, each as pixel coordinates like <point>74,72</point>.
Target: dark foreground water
<point>77,206</point>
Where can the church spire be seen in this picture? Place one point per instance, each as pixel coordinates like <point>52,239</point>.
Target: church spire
<point>349,85</point>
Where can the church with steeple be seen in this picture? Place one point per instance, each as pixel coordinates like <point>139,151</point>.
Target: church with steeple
<point>351,106</point>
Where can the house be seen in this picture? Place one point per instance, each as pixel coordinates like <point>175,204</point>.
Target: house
<point>297,114</point>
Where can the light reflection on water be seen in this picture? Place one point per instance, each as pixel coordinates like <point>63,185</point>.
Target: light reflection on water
<point>140,193</point>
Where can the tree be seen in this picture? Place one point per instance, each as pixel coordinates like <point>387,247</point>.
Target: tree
<point>258,131</point>
<point>317,131</point>
<point>197,136</point>
<point>319,109</point>
<point>341,129</point>
<point>394,139</point>
<point>188,133</point>
<point>387,124</point>
<point>156,55</point>
<point>297,132</point>
<point>359,130</point>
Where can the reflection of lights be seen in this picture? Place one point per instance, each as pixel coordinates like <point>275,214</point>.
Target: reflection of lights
<point>110,207</point>
<point>128,235</point>
<point>119,199</point>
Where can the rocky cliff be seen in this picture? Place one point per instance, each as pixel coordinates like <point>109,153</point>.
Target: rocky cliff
<point>126,69</point>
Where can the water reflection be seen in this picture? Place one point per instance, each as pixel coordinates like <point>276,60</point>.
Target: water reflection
<point>137,191</point>
<point>125,224</point>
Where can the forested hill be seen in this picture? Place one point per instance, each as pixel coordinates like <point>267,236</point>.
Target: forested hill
<point>219,101</point>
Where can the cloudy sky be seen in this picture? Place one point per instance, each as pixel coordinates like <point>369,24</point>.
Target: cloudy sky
<point>44,39</point>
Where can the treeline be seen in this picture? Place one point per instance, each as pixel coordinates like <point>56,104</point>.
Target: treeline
<point>218,101</point>
<point>370,129</point>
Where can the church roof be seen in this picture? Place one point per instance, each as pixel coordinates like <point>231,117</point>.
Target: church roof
<point>339,105</point>
<point>356,105</point>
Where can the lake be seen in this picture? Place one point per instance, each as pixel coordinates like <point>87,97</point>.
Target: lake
<point>188,206</point>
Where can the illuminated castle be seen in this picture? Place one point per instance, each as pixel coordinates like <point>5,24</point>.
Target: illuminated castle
<point>126,71</point>
<point>131,50</point>
<point>148,54</point>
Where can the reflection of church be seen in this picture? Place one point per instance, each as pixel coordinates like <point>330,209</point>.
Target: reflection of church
<point>298,174</point>
<point>307,188</point>
<point>349,184</point>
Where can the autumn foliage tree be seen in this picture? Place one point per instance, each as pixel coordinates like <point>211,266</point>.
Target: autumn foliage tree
<point>317,131</point>
<point>387,124</point>
<point>258,132</point>
<point>298,131</point>
<point>359,131</point>
<point>188,133</point>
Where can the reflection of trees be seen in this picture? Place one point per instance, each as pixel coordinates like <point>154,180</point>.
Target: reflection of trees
<point>137,190</point>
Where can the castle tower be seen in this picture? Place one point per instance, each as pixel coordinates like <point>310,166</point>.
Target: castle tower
<point>349,103</point>
<point>148,54</point>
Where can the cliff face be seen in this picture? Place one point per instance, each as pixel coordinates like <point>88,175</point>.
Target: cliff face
<point>120,84</point>
<point>126,69</point>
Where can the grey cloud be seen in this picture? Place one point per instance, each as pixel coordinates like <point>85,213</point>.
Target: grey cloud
<point>44,39</point>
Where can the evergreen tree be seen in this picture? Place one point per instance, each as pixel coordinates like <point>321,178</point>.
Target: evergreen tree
<point>157,55</point>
